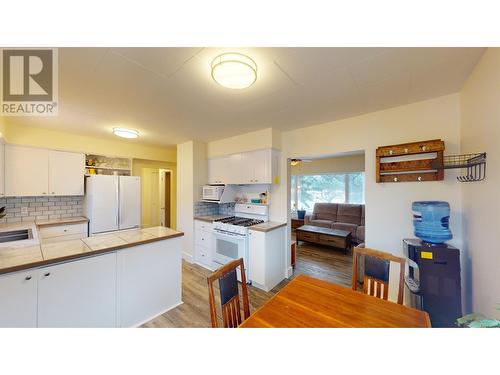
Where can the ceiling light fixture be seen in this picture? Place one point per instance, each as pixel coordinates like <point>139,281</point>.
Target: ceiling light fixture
<point>125,133</point>
<point>234,70</point>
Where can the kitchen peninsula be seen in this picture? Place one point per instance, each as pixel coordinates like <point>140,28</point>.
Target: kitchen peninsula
<point>121,279</point>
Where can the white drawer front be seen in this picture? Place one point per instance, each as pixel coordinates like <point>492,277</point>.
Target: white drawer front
<point>203,255</point>
<point>202,225</point>
<point>63,230</point>
<point>203,238</point>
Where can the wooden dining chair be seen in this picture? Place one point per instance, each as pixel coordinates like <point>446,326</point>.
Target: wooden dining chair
<point>376,272</point>
<point>229,294</point>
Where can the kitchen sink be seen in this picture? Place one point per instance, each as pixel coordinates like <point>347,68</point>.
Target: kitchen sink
<point>16,235</point>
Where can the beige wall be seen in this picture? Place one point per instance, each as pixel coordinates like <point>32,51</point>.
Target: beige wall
<point>480,131</point>
<point>337,164</point>
<point>146,169</point>
<point>260,139</point>
<point>192,169</point>
<point>55,139</point>
<point>388,206</point>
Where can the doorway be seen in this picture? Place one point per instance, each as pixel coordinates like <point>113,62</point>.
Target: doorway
<point>165,191</point>
<point>318,187</point>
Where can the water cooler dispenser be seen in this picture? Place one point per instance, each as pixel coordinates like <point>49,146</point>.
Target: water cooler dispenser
<point>433,280</point>
<point>433,267</point>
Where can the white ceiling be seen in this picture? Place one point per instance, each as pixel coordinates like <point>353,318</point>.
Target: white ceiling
<point>169,96</point>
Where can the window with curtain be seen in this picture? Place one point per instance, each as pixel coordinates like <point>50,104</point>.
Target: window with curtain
<point>327,188</point>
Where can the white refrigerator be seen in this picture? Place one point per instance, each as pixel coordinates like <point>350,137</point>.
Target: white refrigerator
<point>112,203</point>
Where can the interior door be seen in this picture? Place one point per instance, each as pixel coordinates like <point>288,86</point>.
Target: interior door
<point>165,178</point>
<point>130,202</point>
<point>103,192</point>
<point>66,173</point>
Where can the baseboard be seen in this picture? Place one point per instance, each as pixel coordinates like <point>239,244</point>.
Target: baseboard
<point>187,257</point>
<point>289,272</point>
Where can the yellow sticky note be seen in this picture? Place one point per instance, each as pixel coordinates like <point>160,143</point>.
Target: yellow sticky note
<point>276,180</point>
<point>426,255</point>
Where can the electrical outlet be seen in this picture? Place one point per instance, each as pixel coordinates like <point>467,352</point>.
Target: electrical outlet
<point>24,210</point>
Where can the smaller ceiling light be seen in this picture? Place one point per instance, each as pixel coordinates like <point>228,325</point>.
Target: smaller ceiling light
<point>125,133</point>
<point>234,70</point>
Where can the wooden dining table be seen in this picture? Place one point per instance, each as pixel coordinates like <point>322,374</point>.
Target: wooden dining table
<point>308,302</point>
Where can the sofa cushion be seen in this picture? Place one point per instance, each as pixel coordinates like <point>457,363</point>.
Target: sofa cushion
<point>349,213</point>
<point>362,215</point>
<point>326,211</point>
<point>321,223</point>
<point>360,233</point>
<point>347,227</point>
<point>308,218</point>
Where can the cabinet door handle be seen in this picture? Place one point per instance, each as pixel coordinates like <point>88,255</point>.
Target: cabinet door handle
<point>44,193</point>
<point>53,193</point>
<point>27,278</point>
<point>47,274</point>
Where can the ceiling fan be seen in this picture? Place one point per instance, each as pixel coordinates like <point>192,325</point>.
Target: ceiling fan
<point>294,162</point>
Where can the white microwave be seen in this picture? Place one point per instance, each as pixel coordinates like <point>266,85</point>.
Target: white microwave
<point>212,192</point>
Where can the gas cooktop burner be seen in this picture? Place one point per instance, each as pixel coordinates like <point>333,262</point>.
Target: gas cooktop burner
<point>240,221</point>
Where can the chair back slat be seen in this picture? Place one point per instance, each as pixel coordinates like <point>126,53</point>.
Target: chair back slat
<point>376,278</point>
<point>229,295</point>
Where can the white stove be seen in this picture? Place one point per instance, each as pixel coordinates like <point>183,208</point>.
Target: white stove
<point>231,233</point>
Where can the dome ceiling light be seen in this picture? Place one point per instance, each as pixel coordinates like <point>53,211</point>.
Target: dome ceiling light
<point>234,70</point>
<point>125,133</point>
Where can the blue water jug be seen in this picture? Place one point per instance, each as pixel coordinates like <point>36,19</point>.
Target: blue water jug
<point>431,221</point>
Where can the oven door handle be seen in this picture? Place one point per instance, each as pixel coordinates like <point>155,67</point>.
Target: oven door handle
<point>223,233</point>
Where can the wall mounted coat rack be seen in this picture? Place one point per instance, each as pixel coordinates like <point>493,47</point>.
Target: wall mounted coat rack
<point>425,161</point>
<point>416,161</point>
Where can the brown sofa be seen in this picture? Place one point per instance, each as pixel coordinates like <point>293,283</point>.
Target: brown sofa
<point>349,217</point>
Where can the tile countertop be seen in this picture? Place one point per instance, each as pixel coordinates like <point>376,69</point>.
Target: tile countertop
<point>20,258</point>
<point>211,218</point>
<point>267,226</point>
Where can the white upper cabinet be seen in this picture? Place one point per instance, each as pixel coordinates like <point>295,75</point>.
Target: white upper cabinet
<point>216,170</point>
<point>259,166</point>
<point>66,173</point>
<point>26,171</point>
<point>255,167</point>
<point>31,171</point>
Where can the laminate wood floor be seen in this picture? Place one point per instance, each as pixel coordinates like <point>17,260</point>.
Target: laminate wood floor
<point>314,260</point>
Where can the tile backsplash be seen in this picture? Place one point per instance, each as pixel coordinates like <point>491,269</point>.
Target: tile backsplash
<point>207,208</point>
<point>40,208</point>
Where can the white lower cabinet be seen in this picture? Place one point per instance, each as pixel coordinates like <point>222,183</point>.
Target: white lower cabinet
<point>18,299</point>
<point>78,294</point>
<point>267,257</point>
<point>203,243</point>
<point>123,288</point>
<point>149,281</point>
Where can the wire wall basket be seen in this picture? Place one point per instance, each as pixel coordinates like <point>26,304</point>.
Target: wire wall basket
<point>474,166</point>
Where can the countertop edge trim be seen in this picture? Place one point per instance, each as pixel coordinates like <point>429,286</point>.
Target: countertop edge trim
<point>48,262</point>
